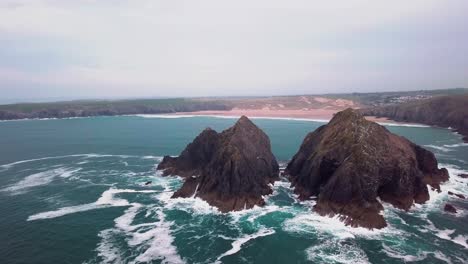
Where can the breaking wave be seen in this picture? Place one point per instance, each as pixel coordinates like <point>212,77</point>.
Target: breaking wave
<point>237,244</point>
<point>39,179</point>
<point>107,199</point>
<point>443,149</point>
<point>89,155</point>
<point>146,231</point>
<point>335,251</point>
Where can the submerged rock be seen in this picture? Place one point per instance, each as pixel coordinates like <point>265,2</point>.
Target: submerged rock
<point>351,162</point>
<point>231,170</point>
<point>461,196</point>
<point>450,209</point>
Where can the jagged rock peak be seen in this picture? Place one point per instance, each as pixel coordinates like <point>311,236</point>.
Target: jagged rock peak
<point>244,123</point>
<point>244,120</point>
<point>350,162</point>
<point>230,170</point>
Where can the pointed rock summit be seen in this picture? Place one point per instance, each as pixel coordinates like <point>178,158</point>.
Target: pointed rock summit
<point>351,162</point>
<point>231,170</point>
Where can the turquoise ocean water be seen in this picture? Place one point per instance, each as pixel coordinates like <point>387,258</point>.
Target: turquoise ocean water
<point>72,191</point>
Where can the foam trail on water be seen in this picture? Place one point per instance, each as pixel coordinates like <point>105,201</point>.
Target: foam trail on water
<point>161,245</point>
<point>455,184</point>
<point>394,253</point>
<point>444,149</point>
<point>45,118</point>
<point>446,234</point>
<point>65,211</point>
<point>39,179</point>
<point>44,158</point>
<point>311,222</point>
<point>332,251</point>
<point>253,213</point>
<point>107,199</point>
<point>441,256</point>
<point>461,240</point>
<point>106,249</point>
<point>456,145</point>
<point>193,205</point>
<point>88,155</point>
<point>124,222</point>
<point>237,244</point>
<point>157,242</point>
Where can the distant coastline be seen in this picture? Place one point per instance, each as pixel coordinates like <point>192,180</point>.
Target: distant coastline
<point>442,108</point>
<point>442,111</point>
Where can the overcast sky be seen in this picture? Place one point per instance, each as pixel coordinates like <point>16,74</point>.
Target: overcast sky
<point>142,48</point>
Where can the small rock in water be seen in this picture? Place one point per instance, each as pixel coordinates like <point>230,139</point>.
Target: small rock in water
<point>450,209</point>
<point>464,176</point>
<point>461,196</point>
<point>148,182</point>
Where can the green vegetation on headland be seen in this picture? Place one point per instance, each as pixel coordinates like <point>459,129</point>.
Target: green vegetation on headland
<point>444,111</point>
<point>389,98</point>
<point>106,108</point>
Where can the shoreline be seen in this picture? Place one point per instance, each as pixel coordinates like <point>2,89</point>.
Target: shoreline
<point>318,115</point>
<point>321,116</point>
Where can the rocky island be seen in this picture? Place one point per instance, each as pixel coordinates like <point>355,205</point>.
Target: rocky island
<point>231,170</point>
<point>352,164</point>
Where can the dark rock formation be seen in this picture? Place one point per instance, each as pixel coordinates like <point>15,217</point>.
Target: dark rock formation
<point>464,176</point>
<point>351,162</point>
<point>443,111</point>
<point>230,170</point>
<point>461,196</point>
<point>450,209</point>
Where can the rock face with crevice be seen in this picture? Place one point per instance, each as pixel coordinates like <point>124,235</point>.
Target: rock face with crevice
<point>231,170</point>
<point>351,163</point>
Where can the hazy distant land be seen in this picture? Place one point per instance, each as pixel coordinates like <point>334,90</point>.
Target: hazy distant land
<point>447,108</point>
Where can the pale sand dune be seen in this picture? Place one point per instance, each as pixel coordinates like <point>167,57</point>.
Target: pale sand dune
<point>319,114</point>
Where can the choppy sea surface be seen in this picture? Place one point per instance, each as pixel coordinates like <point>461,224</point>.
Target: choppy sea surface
<point>72,191</point>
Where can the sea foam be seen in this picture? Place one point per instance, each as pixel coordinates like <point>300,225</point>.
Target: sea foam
<point>443,149</point>
<point>107,199</point>
<point>39,179</point>
<point>87,155</point>
<point>160,243</point>
<point>394,253</point>
<point>461,240</point>
<point>311,222</point>
<point>334,251</point>
<point>237,244</point>
<point>106,248</point>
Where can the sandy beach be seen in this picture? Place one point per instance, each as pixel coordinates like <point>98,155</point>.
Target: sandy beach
<point>324,114</point>
<point>314,114</point>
